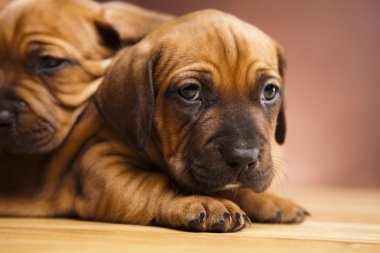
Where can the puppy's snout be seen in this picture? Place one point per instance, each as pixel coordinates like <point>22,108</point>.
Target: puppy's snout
<point>240,158</point>
<point>6,117</point>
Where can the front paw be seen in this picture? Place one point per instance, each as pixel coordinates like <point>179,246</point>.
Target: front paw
<point>205,214</point>
<point>269,208</point>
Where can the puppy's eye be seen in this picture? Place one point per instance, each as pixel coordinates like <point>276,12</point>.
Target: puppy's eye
<point>190,92</point>
<point>49,62</point>
<point>270,92</point>
<point>46,64</point>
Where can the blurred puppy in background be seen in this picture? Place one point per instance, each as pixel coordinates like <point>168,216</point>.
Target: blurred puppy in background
<point>52,59</point>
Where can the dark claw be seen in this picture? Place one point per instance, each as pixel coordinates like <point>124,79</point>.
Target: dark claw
<point>247,220</point>
<point>303,213</point>
<point>202,217</point>
<point>228,216</point>
<point>238,225</point>
<point>197,224</point>
<point>219,226</point>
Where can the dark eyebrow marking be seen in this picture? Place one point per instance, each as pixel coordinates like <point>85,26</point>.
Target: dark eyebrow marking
<point>205,77</point>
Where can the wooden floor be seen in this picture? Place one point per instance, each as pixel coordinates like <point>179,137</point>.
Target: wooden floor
<point>342,221</point>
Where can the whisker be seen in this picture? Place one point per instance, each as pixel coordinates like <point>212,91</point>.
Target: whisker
<point>279,169</point>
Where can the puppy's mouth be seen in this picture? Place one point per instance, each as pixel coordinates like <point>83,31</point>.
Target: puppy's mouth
<point>5,126</point>
<point>259,182</point>
<point>229,187</point>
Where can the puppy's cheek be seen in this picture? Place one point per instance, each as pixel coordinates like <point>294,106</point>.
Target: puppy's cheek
<point>179,171</point>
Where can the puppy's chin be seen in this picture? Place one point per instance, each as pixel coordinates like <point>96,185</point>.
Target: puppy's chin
<point>28,145</point>
<point>258,181</point>
<point>38,136</point>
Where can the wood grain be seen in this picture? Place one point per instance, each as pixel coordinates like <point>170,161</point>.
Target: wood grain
<point>342,221</point>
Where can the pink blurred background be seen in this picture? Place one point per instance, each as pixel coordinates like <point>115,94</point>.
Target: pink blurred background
<point>3,3</point>
<point>333,96</point>
<point>333,105</point>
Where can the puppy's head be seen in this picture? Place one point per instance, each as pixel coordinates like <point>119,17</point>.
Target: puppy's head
<point>211,88</point>
<point>52,56</point>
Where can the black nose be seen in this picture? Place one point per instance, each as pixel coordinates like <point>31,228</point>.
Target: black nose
<point>241,158</point>
<point>6,118</point>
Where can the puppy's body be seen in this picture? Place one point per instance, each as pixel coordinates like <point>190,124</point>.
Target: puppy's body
<point>145,179</point>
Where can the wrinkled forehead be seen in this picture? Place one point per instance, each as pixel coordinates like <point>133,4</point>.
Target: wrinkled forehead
<point>27,20</point>
<point>229,49</point>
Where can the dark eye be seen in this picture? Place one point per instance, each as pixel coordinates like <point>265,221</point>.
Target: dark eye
<point>270,92</point>
<point>46,63</point>
<point>190,92</point>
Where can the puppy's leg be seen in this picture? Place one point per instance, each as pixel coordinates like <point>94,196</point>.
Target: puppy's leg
<point>112,190</point>
<point>266,207</point>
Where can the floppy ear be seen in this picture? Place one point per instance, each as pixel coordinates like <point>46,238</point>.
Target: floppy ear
<point>126,96</point>
<point>280,132</point>
<point>125,24</point>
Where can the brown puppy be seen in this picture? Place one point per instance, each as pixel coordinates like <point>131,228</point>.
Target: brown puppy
<point>190,112</point>
<point>52,58</point>
<point>206,110</point>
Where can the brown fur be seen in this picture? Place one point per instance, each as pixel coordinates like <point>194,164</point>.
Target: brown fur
<point>141,180</point>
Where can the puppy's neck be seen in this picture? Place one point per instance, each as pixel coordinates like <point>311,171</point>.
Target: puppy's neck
<point>153,152</point>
